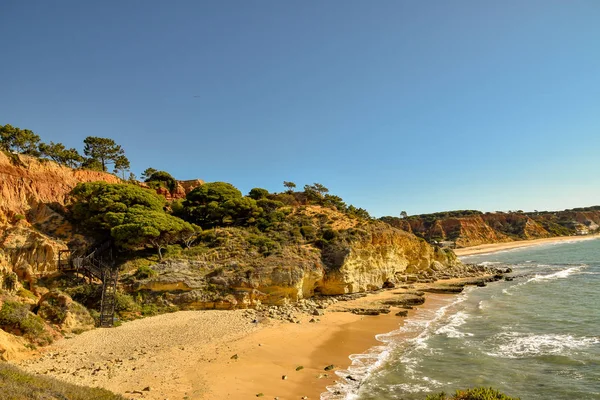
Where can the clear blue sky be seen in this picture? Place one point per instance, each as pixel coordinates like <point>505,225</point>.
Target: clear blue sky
<point>397,105</point>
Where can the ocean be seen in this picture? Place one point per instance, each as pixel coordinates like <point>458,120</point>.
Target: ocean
<point>535,337</point>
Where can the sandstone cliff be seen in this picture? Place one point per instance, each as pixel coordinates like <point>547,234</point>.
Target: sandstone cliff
<point>33,194</point>
<point>471,228</point>
<point>32,228</point>
<point>364,256</point>
<point>233,268</point>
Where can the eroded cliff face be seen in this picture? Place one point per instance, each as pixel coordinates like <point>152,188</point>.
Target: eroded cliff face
<point>499,227</point>
<point>237,280</point>
<point>33,194</point>
<point>361,259</point>
<point>381,255</point>
<point>32,229</point>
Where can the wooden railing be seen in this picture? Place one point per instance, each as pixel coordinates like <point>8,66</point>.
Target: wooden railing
<point>97,264</point>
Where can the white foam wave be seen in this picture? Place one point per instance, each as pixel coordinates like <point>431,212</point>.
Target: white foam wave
<point>454,322</point>
<point>430,384</point>
<point>519,345</point>
<point>415,332</point>
<point>564,273</point>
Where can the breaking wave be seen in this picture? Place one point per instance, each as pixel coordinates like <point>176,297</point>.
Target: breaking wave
<point>521,345</point>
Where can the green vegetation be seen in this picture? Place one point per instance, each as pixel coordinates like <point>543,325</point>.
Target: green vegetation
<point>16,318</point>
<point>220,204</point>
<point>479,393</point>
<point>96,205</point>
<point>22,141</point>
<point>59,153</point>
<point>100,152</point>
<point>16,384</point>
<point>161,179</point>
<point>9,281</point>
<point>144,272</point>
<point>104,151</point>
<point>139,227</point>
<point>148,173</point>
<point>132,216</point>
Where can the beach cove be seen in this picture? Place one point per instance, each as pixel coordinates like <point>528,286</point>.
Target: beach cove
<point>226,354</point>
<point>238,354</point>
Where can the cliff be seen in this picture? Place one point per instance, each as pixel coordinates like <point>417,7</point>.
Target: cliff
<point>33,229</point>
<point>359,256</point>
<point>33,195</point>
<point>232,267</point>
<point>471,228</point>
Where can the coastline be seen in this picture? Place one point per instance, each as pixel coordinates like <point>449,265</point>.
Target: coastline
<point>224,354</point>
<point>494,247</point>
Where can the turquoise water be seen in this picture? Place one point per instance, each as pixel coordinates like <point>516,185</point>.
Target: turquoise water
<point>536,337</point>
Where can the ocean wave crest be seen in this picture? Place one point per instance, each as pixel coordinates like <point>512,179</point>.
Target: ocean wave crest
<point>561,274</point>
<point>564,273</point>
<point>454,322</point>
<point>520,345</point>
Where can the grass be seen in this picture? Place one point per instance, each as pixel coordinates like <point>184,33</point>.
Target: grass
<point>18,385</point>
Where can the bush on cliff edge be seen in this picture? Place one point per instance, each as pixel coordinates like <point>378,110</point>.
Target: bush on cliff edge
<point>479,393</point>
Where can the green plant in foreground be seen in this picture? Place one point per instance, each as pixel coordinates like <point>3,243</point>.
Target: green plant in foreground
<point>478,393</point>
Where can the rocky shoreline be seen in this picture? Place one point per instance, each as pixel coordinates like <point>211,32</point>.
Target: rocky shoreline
<point>187,350</point>
<point>408,297</point>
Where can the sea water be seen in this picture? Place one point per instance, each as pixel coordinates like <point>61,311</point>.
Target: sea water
<point>535,337</point>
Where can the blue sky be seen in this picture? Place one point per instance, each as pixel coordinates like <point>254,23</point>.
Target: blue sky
<point>397,105</point>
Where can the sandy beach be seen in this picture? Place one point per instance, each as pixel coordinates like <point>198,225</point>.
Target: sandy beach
<point>232,354</point>
<point>220,354</point>
<point>491,248</point>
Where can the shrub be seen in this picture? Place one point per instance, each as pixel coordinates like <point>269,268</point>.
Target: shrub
<point>17,319</point>
<point>149,310</point>
<point>145,272</point>
<point>308,232</point>
<point>164,179</point>
<point>26,294</point>
<point>329,234</point>
<point>264,244</point>
<point>88,295</point>
<point>125,303</point>
<point>479,393</point>
<point>52,310</point>
<point>9,281</point>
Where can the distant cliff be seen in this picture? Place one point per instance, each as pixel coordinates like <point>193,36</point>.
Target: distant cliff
<point>471,228</point>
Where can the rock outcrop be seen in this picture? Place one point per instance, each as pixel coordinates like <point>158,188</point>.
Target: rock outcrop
<point>361,259</point>
<point>69,316</point>
<point>378,255</point>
